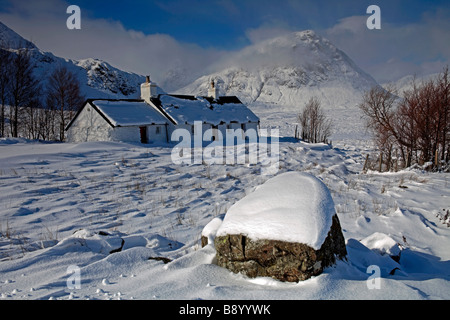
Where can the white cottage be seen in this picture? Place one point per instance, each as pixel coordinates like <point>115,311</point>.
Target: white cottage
<point>156,116</point>
<point>117,120</point>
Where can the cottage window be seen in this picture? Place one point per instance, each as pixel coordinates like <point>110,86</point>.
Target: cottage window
<point>158,130</point>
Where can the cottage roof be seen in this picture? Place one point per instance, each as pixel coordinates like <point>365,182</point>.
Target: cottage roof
<point>178,109</point>
<point>188,109</point>
<point>121,113</point>
<point>124,112</point>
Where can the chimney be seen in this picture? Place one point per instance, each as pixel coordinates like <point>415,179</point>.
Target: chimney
<point>148,89</point>
<point>213,91</point>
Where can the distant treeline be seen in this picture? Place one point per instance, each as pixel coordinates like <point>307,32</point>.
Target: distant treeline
<point>413,129</point>
<point>30,110</point>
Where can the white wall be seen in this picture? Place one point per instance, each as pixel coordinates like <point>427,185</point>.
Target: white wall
<point>126,134</point>
<point>154,136</point>
<point>89,126</point>
<point>133,134</point>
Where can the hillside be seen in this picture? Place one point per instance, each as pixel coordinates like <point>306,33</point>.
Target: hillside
<point>98,79</point>
<point>278,76</point>
<point>406,83</point>
<point>288,70</point>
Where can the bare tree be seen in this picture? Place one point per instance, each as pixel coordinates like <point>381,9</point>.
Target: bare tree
<point>24,88</point>
<point>316,127</point>
<point>379,110</point>
<point>5,68</point>
<point>416,125</point>
<point>63,98</point>
<point>443,83</point>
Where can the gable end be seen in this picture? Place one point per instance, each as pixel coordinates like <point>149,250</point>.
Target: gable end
<point>89,103</point>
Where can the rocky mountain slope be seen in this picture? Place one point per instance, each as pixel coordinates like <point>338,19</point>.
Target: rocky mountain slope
<point>287,71</point>
<point>98,79</point>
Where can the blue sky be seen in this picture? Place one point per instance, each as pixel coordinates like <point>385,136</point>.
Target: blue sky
<point>158,35</point>
<point>223,23</point>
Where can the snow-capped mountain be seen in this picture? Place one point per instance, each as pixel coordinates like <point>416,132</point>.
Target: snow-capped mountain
<point>287,71</point>
<point>98,79</point>
<point>10,39</point>
<point>406,83</point>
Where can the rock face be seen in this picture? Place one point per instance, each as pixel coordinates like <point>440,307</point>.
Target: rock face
<point>271,253</point>
<point>285,261</point>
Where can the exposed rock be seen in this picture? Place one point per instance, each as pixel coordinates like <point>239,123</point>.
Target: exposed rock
<point>281,260</point>
<point>204,241</point>
<point>286,229</point>
<point>163,259</point>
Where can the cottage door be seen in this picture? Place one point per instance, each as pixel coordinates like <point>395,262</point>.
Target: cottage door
<point>143,131</point>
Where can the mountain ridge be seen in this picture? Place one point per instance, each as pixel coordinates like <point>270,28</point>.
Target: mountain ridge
<point>98,79</point>
<point>288,70</point>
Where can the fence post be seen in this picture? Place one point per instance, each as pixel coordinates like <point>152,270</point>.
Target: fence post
<point>436,159</point>
<point>381,162</point>
<point>396,160</point>
<point>365,163</point>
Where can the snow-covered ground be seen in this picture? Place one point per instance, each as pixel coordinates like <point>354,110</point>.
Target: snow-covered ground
<point>94,220</point>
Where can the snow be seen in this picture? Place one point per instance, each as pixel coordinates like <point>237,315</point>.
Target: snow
<point>286,71</point>
<point>98,79</point>
<point>382,243</point>
<point>129,113</point>
<point>112,209</point>
<point>189,110</point>
<point>13,40</point>
<point>292,207</point>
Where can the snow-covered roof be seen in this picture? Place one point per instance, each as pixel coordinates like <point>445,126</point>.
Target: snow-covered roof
<point>178,109</point>
<point>293,207</point>
<point>129,112</point>
<point>188,109</point>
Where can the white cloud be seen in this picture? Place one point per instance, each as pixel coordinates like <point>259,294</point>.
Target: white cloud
<point>130,50</point>
<point>389,53</point>
<point>396,50</point>
<point>266,31</point>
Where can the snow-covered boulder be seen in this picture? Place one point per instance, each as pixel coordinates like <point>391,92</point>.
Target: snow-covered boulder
<point>286,229</point>
<point>383,244</point>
